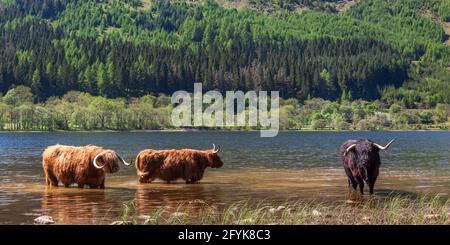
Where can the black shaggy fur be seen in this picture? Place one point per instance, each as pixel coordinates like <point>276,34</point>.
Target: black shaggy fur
<point>361,164</point>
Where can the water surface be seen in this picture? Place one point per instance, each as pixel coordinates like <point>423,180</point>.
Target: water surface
<point>293,166</point>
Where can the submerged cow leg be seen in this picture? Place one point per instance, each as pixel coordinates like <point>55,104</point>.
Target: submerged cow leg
<point>371,185</point>
<point>372,182</point>
<point>352,183</point>
<point>51,180</point>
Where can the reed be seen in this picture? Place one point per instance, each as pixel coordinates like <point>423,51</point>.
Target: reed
<point>392,210</point>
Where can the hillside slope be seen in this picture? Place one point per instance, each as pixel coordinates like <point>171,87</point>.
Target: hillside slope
<point>131,48</point>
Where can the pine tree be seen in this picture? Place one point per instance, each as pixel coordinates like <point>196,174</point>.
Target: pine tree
<point>36,84</point>
<point>102,80</point>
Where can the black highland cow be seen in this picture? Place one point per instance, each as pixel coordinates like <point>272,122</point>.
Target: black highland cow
<point>361,160</point>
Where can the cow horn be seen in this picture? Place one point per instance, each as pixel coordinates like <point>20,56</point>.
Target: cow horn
<point>214,150</point>
<point>384,147</point>
<point>95,160</point>
<point>121,159</point>
<point>350,148</point>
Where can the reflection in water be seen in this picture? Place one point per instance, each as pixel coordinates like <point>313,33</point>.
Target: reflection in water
<point>288,168</point>
<point>219,188</point>
<point>148,198</point>
<point>69,206</point>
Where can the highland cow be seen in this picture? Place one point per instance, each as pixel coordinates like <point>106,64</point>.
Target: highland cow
<point>361,160</point>
<point>169,165</point>
<point>85,165</point>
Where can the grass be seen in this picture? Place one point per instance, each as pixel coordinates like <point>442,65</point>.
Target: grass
<point>392,210</point>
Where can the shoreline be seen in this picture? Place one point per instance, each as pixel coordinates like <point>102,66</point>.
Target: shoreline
<point>218,130</point>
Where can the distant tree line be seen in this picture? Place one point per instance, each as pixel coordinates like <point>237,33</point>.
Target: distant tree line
<point>82,111</point>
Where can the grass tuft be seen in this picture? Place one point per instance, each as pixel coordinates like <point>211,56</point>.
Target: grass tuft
<point>392,210</point>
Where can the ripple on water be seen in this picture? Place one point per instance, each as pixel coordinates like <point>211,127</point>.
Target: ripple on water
<point>293,166</point>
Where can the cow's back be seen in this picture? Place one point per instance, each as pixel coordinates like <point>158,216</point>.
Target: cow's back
<point>186,163</point>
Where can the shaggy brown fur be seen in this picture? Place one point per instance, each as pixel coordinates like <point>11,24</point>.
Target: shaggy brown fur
<point>70,164</point>
<point>170,165</point>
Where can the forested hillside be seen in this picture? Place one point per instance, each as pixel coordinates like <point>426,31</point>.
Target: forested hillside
<point>377,49</point>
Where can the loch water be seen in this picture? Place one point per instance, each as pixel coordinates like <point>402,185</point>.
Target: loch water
<point>290,167</point>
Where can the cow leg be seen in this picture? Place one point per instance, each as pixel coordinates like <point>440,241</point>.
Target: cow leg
<point>371,186</point>
<point>372,183</point>
<point>351,180</point>
<point>361,186</point>
<point>51,180</point>
<point>352,183</point>
<point>66,185</point>
<point>102,185</point>
<point>47,180</point>
<point>80,185</point>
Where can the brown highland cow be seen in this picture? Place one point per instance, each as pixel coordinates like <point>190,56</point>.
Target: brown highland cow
<point>170,165</point>
<point>84,165</point>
